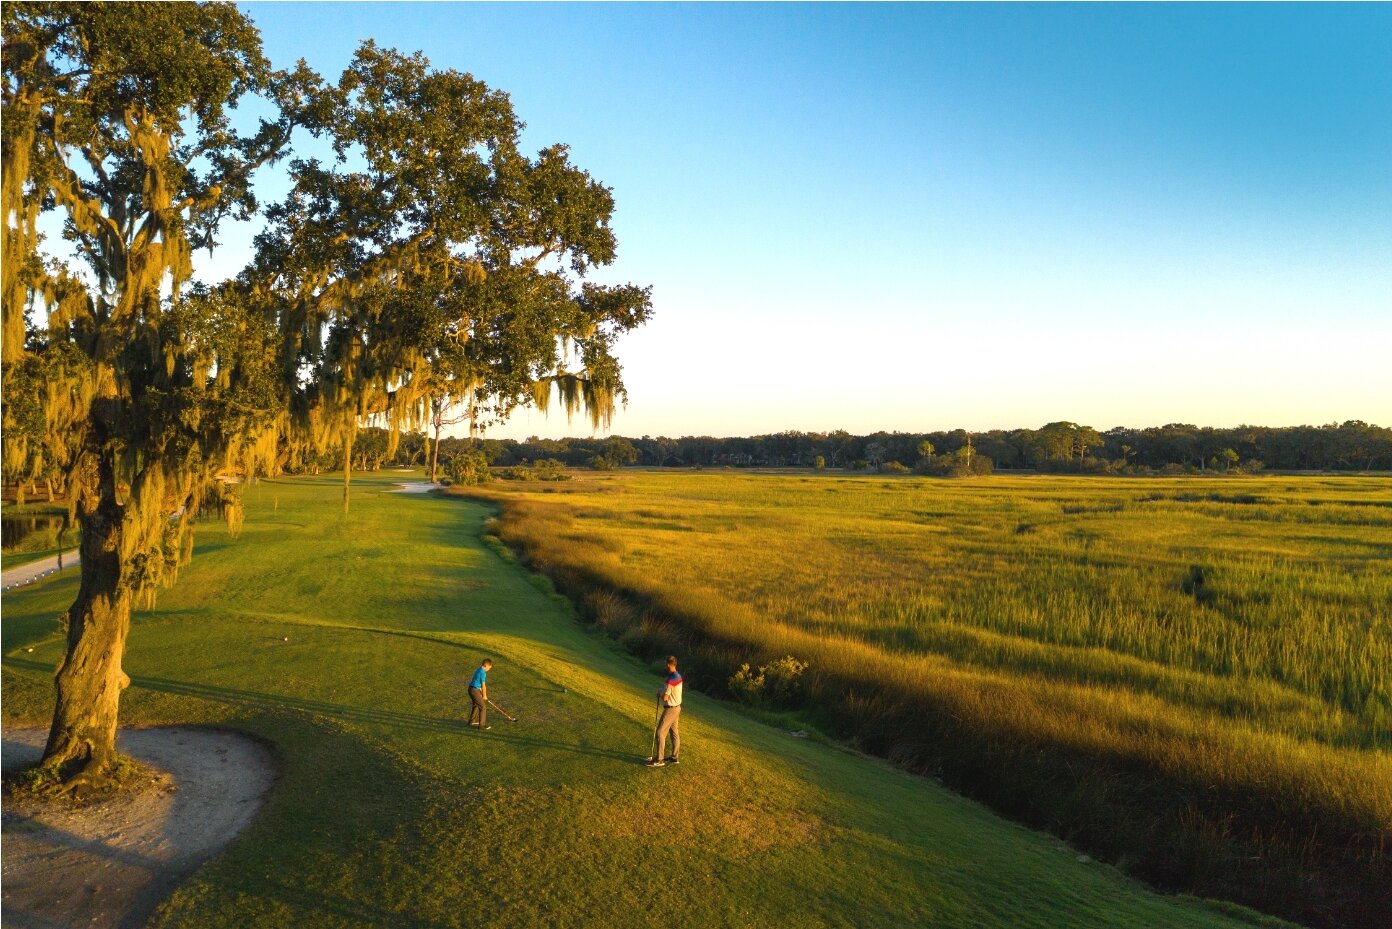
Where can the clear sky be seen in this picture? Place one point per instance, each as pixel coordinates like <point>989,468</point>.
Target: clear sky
<point>917,217</point>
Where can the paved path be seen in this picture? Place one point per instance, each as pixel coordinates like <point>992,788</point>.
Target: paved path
<point>31,572</point>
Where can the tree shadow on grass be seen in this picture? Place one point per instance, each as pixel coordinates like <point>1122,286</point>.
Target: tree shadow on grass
<point>337,795</point>
<point>251,699</point>
<point>357,714</point>
<point>320,904</point>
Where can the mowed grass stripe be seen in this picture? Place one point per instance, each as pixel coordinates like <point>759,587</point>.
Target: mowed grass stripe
<point>346,643</point>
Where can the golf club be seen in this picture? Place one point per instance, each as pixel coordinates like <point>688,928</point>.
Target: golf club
<point>511,719</point>
<point>656,722</point>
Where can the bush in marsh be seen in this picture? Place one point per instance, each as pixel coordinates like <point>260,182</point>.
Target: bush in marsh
<point>777,684</point>
<point>547,469</point>
<point>470,469</point>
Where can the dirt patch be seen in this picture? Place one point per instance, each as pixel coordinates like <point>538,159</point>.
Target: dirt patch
<point>109,865</point>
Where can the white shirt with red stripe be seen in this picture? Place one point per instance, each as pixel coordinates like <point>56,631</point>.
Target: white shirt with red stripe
<point>672,696</point>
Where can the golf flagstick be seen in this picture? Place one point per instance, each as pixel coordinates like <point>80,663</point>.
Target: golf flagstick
<point>511,719</point>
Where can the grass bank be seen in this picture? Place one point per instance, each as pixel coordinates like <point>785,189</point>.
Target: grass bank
<point>1191,678</point>
<point>346,643</point>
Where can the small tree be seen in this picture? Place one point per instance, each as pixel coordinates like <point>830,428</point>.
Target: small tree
<point>441,411</point>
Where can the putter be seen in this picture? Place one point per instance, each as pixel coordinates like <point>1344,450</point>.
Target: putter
<point>511,719</point>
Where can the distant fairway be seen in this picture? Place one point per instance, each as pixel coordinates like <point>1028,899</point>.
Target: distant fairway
<point>1191,676</point>
<point>389,812</point>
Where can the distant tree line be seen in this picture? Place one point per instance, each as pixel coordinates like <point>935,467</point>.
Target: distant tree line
<point>1059,447</point>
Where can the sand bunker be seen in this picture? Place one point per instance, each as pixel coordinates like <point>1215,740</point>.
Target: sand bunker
<point>109,865</point>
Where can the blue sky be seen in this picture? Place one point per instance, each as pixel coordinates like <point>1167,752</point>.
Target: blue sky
<point>928,216</point>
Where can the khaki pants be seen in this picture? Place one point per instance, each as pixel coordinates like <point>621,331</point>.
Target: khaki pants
<point>478,713</point>
<point>667,722</point>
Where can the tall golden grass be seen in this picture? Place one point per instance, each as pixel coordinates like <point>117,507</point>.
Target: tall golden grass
<point>1191,677</point>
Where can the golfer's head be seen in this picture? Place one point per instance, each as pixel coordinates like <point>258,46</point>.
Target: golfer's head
<point>671,662</point>
<point>488,664</point>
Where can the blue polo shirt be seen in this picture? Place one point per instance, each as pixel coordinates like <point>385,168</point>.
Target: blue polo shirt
<point>480,677</point>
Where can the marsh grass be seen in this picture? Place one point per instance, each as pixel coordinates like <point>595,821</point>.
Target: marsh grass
<point>1190,677</point>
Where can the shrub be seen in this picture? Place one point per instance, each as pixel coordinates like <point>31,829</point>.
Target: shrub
<point>955,464</point>
<point>547,469</point>
<point>819,462</point>
<point>894,467</point>
<point>778,683</point>
<point>747,686</point>
<point>550,469</point>
<point>470,468</point>
<point>601,463</point>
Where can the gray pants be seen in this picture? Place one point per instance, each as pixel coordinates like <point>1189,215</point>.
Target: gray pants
<point>478,713</point>
<point>667,722</point>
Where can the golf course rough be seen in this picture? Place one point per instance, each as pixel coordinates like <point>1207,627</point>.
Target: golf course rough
<point>346,642</point>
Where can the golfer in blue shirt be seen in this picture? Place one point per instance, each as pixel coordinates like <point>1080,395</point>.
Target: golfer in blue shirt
<point>478,694</point>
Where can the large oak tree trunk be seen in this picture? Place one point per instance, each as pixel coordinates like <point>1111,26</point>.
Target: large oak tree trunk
<point>82,741</point>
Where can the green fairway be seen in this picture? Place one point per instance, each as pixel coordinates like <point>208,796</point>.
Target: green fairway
<point>346,642</point>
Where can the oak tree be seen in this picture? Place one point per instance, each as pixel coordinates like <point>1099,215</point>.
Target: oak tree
<point>430,264</point>
<point>116,120</point>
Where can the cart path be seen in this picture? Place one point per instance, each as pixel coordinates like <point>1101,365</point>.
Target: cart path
<point>109,866</point>
<point>28,573</point>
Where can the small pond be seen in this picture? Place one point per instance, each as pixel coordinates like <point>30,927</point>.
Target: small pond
<point>33,532</point>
